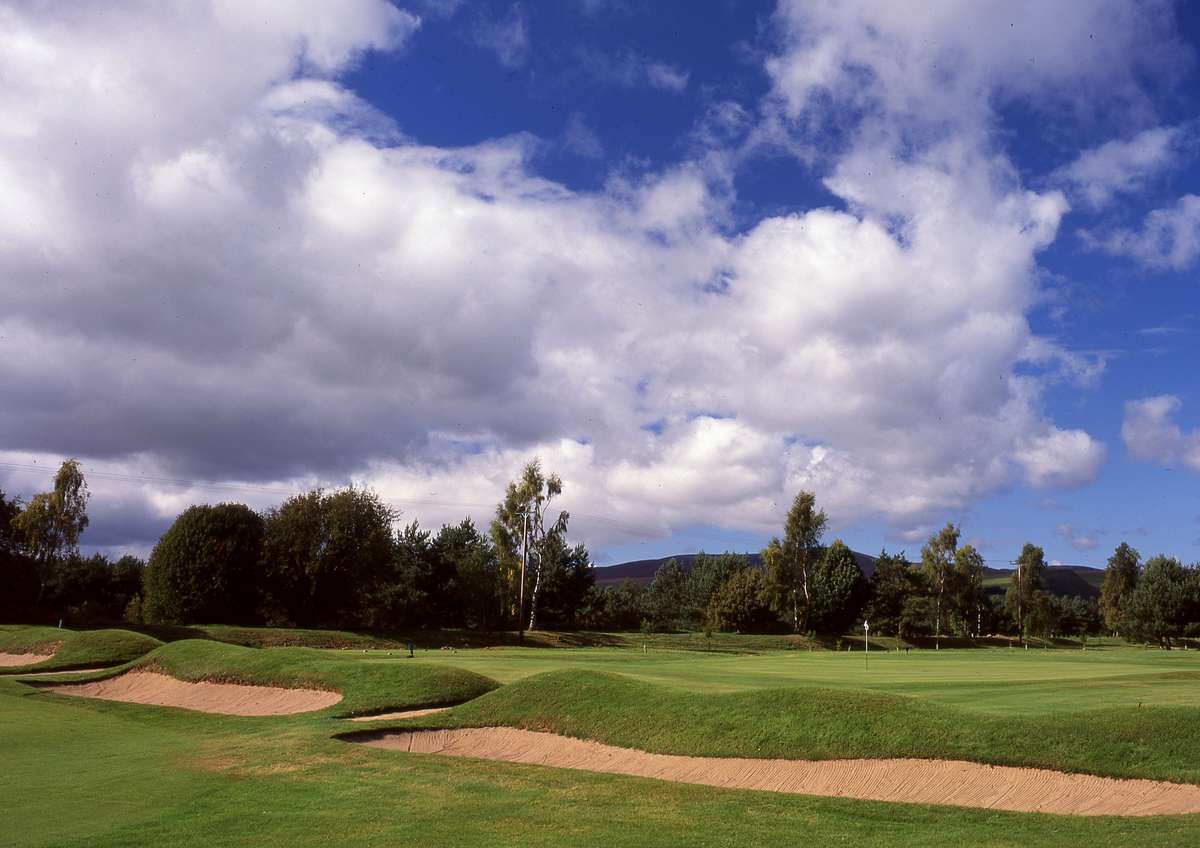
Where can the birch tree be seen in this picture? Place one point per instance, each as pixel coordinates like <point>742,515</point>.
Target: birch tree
<point>521,520</point>
<point>790,563</point>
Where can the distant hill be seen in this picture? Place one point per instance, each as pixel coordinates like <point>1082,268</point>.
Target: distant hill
<point>643,570</point>
<point>1058,579</point>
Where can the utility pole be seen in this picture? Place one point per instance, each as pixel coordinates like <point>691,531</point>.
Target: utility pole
<point>521,588</point>
<point>1020,591</point>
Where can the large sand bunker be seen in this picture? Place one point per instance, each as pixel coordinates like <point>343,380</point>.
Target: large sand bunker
<point>15,660</point>
<point>401,714</point>
<point>951,782</point>
<point>147,687</point>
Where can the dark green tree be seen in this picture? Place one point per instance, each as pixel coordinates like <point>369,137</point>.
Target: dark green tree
<point>789,563</point>
<point>1163,603</point>
<point>467,563</point>
<point>205,568</point>
<point>1120,579</point>
<point>667,598</point>
<point>707,576</point>
<point>742,604</point>
<point>567,578</point>
<point>327,557</point>
<point>10,508</point>
<point>839,590</point>
<point>892,584</point>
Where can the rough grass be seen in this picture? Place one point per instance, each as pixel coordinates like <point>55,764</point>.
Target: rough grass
<point>77,648</point>
<point>1161,743</point>
<point>365,688</point>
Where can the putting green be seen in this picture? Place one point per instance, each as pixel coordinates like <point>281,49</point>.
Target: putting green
<point>987,680</point>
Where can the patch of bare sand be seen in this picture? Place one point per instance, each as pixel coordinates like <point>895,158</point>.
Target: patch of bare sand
<point>401,714</point>
<point>147,687</point>
<point>15,660</point>
<point>950,782</point>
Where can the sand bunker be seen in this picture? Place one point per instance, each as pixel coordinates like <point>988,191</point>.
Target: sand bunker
<point>950,782</point>
<point>14,660</point>
<point>147,687</point>
<point>401,714</point>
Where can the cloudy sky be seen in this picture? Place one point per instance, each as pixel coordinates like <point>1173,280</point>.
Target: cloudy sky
<point>937,265</point>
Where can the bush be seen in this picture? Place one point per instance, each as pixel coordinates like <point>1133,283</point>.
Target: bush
<point>205,568</point>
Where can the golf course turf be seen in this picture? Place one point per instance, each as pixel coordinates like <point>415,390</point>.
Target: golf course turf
<point>63,649</point>
<point>94,772</point>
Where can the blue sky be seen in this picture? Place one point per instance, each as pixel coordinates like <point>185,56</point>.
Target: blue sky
<point>936,266</point>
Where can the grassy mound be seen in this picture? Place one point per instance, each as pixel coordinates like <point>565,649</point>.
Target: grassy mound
<point>365,687</point>
<point>1159,742</point>
<point>77,648</point>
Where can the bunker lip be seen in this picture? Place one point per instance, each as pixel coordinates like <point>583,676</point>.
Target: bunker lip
<point>913,781</point>
<point>85,670</point>
<point>396,715</point>
<point>155,689</point>
<point>29,657</point>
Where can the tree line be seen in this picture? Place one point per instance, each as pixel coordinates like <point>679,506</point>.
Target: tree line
<point>341,559</point>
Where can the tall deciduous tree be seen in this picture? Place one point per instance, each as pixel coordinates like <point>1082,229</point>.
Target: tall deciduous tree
<point>521,518</point>
<point>326,556</point>
<point>969,597</point>
<point>1120,579</point>
<point>790,563</point>
<point>1025,599</point>
<point>937,562</point>
<point>205,568</point>
<point>50,524</point>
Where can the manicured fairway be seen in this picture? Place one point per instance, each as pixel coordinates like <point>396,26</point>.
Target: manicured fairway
<point>988,680</point>
<point>80,772</point>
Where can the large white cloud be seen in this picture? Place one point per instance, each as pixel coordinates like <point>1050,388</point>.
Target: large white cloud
<point>218,263</point>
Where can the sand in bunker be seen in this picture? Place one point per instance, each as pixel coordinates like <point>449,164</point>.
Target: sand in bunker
<point>950,782</point>
<point>147,687</point>
<point>15,660</point>
<point>400,714</point>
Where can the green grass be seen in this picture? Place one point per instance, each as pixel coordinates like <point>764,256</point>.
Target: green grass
<point>995,681</point>
<point>77,648</point>
<point>794,723</point>
<point>82,772</point>
<point>365,688</point>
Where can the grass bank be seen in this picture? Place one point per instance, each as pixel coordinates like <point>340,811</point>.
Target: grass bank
<point>365,687</point>
<point>76,648</point>
<point>1161,743</point>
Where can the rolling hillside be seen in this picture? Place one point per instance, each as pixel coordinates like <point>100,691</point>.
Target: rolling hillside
<point>1058,580</point>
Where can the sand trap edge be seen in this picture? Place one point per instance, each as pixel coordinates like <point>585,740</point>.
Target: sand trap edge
<point>153,688</point>
<point>399,714</point>
<point>954,783</point>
